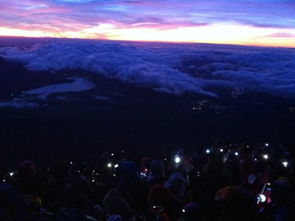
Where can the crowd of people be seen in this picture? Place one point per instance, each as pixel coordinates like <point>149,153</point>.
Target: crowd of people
<point>216,183</point>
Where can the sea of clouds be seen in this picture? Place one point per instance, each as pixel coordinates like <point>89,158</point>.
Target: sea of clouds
<point>170,68</point>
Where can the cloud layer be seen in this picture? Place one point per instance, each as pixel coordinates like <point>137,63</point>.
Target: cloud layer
<point>171,68</point>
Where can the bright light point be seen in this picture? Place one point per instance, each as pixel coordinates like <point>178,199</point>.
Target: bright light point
<point>183,210</point>
<point>221,150</point>
<point>109,165</point>
<point>285,163</point>
<point>265,156</point>
<point>112,154</point>
<point>71,162</point>
<point>236,154</point>
<point>262,198</point>
<point>116,165</point>
<point>177,159</point>
<point>93,181</point>
<point>208,151</point>
<point>11,173</point>
<point>267,144</point>
<point>4,181</point>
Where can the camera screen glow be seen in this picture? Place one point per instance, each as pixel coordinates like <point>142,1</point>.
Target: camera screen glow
<point>261,198</point>
<point>285,163</point>
<point>177,159</point>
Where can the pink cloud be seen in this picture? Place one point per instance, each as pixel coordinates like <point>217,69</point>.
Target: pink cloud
<point>282,35</point>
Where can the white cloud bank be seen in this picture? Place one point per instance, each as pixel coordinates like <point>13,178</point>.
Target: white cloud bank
<point>171,68</point>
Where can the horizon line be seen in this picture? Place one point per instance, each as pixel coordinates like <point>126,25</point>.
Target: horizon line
<point>152,41</point>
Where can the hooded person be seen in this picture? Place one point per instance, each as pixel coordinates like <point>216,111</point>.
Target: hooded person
<point>145,164</point>
<point>27,168</point>
<point>192,212</point>
<point>162,202</point>
<point>283,199</point>
<point>70,214</point>
<point>130,186</point>
<point>128,173</point>
<point>26,178</point>
<point>12,205</point>
<point>115,204</point>
<point>176,184</point>
<point>235,203</point>
<point>114,218</point>
<point>157,173</point>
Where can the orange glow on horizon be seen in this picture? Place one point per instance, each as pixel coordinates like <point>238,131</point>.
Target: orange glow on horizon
<point>215,33</point>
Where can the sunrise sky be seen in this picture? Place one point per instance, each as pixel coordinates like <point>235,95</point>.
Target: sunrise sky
<point>250,22</point>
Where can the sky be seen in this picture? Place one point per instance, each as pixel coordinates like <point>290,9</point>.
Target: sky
<point>247,22</point>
